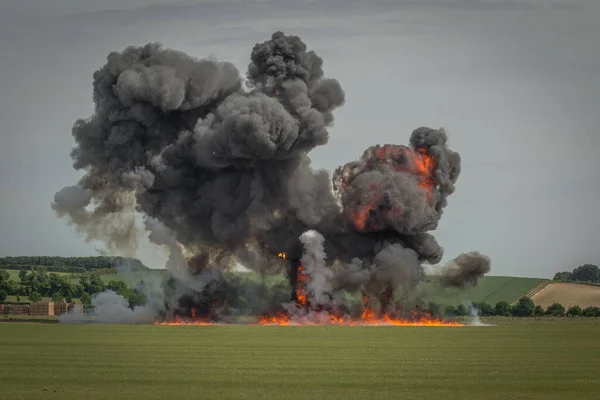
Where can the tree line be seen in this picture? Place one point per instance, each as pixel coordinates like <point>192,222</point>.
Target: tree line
<point>70,264</point>
<point>35,284</point>
<point>585,273</point>
<point>525,307</point>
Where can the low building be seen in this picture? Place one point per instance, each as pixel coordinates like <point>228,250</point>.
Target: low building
<point>41,309</point>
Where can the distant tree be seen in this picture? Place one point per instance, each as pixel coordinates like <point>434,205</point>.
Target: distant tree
<point>591,311</point>
<point>502,309</point>
<point>484,308</point>
<point>587,273</point>
<point>59,286</point>
<point>524,307</point>
<point>4,276</point>
<point>136,298</point>
<point>3,296</point>
<point>555,310</point>
<point>574,311</point>
<point>96,284</point>
<point>35,296</point>
<point>563,276</point>
<point>6,284</point>
<point>37,281</point>
<point>70,264</point>
<point>57,297</point>
<point>23,275</point>
<point>86,299</point>
<point>84,281</point>
<point>118,287</point>
<point>538,311</point>
<point>78,291</point>
<point>461,310</point>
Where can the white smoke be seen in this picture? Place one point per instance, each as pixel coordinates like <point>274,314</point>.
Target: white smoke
<point>474,319</point>
<point>112,308</point>
<point>313,261</point>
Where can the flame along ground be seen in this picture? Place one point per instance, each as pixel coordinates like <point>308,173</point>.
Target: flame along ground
<point>368,319</point>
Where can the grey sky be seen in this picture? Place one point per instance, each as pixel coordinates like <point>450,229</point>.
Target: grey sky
<point>515,83</point>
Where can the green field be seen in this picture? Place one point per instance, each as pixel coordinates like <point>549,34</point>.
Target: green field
<point>519,359</point>
<point>489,289</point>
<point>14,274</point>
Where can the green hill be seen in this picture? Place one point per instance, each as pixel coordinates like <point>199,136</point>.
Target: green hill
<point>490,289</point>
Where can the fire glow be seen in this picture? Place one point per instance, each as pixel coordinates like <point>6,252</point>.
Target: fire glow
<point>186,321</point>
<point>416,162</point>
<point>367,318</point>
<point>309,316</point>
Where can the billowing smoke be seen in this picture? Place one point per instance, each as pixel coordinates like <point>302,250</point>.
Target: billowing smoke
<point>466,269</point>
<point>217,164</point>
<point>313,262</point>
<point>112,308</point>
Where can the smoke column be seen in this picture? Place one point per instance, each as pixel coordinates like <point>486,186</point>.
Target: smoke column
<point>313,261</point>
<point>217,164</point>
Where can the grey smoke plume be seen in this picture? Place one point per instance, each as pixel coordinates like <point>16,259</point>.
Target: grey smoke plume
<point>218,166</point>
<point>112,308</point>
<point>466,269</point>
<point>313,262</point>
<point>182,141</point>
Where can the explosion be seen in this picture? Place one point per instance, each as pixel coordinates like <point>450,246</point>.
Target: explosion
<point>217,165</point>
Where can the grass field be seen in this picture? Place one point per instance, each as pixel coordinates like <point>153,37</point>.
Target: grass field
<point>519,359</point>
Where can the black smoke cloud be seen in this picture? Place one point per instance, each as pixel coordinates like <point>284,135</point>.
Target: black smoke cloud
<point>218,166</point>
<point>466,269</point>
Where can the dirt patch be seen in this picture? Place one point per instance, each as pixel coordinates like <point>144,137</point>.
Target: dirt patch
<point>568,294</point>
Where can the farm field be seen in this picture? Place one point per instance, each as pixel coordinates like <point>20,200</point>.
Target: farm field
<point>518,359</point>
<point>568,294</point>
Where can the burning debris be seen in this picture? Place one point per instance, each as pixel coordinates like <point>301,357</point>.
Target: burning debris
<point>218,167</point>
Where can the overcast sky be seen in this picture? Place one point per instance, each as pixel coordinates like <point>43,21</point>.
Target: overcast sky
<point>516,84</point>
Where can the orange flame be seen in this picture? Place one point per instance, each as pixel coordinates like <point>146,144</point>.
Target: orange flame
<point>282,255</point>
<point>184,321</point>
<point>421,164</point>
<point>417,162</point>
<point>367,318</point>
<point>301,280</point>
<point>278,319</point>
